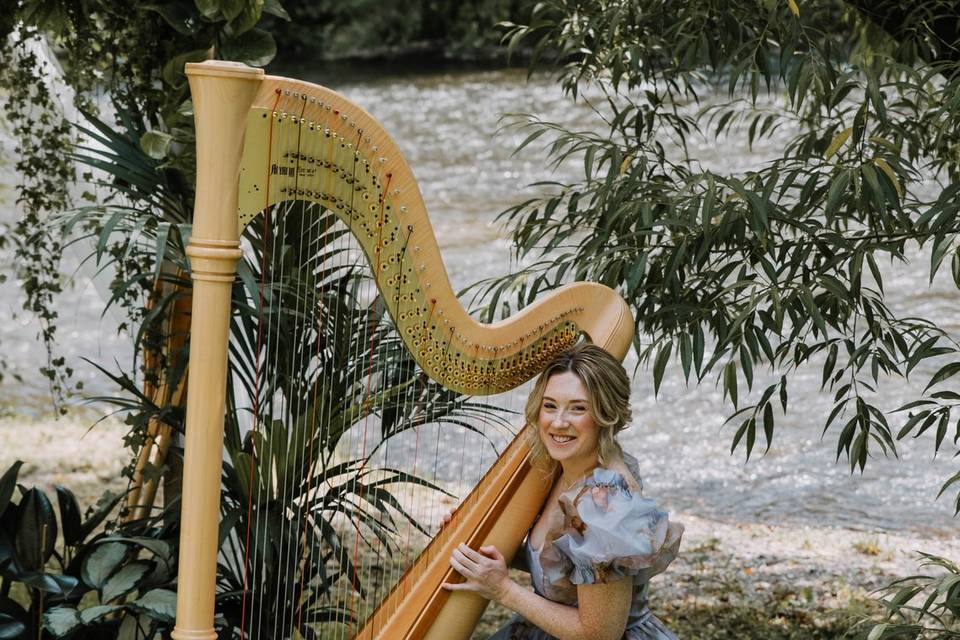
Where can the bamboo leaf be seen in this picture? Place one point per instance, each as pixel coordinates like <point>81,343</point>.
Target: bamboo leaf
<point>837,142</point>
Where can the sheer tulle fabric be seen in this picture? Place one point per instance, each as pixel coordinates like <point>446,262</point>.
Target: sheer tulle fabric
<point>609,532</point>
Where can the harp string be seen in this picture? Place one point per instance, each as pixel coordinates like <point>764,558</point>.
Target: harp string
<point>382,521</point>
<point>369,301</point>
<point>325,266</point>
<point>301,432</point>
<point>290,414</point>
<point>247,584</point>
<point>365,344</point>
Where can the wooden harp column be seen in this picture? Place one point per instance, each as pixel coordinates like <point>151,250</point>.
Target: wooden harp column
<point>242,169</point>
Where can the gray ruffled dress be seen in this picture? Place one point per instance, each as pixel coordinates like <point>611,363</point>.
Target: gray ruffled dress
<point>608,532</point>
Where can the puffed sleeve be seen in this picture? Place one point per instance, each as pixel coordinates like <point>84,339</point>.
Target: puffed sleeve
<point>611,532</point>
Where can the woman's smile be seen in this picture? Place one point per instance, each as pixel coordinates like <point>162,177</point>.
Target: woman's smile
<point>566,425</point>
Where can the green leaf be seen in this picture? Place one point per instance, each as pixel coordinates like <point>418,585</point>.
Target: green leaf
<point>274,8</point>
<point>105,505</point>
<point>209,9</point>
<point>698,347</point>
<point>8,483</point>
<point>873,91</point>
<point>92,614</point>
<point>768,424</point>
<point>156,144</point>
<point>173,72</point>
<point>61,621</point>
<point>730,381</point>
<point>941,245</point>
<point>746,363</point>
<point>102,563</point>
<point>829,364</point>
<point>60,585</point>
<point>837,142</point>
<point>946,371</point>
<point>807,298</point>
<point>255,48</point>
<point>124,581</point>
<point>37,530</point>
<point>233,8</point>
<point>660,364</point>
<point>69,516</point>
<point>180,15</point>
<point>838,188</point>
<point>686,354</point>
<point>246,18</point>
<point>158,603</point>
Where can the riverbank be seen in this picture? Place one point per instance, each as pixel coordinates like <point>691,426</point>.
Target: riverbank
<point>732,580</point>
<point>766,582</point>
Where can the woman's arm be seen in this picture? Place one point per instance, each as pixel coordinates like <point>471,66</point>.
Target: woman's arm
<point>601,613</point>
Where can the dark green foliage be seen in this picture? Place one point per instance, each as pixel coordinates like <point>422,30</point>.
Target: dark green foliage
<point>435,29</point>
<point>134,52</point>
<point>55,566</point>
<point>919,607</point>
<point>778,266</point>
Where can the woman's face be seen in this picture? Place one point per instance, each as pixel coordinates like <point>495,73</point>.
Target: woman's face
<point>566,424</point>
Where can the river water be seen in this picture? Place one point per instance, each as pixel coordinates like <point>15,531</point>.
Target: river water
<point>448,126</point>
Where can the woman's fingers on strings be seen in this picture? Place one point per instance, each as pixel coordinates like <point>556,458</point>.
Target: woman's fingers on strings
<point>447,517</point>
<point>463,558</point>
<point>470,554</point>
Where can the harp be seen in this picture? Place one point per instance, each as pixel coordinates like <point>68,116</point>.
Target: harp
<point>265,140</point>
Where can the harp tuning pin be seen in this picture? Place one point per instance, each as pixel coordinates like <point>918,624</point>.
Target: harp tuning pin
<point>403,209</point>
<point>376,147</point>
<point>382,159</point>
<point>396,192</point>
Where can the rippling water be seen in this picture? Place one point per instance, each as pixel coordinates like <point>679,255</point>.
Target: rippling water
<point>447,125</point>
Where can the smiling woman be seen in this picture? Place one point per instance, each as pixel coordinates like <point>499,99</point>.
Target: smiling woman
<point>597,541</point>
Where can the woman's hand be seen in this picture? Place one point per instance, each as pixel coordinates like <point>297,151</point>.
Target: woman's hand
<point>445,518</point>
<point>485,571</point>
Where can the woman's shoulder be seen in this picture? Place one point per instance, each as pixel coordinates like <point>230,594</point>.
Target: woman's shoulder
<point>622,473</point>
<point>610,529</point>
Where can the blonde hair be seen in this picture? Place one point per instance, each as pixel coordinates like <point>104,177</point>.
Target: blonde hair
<point>608,390</point>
